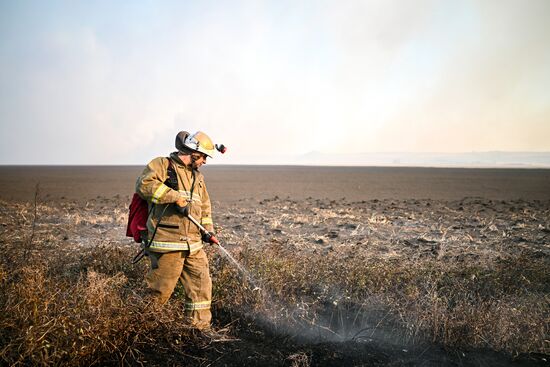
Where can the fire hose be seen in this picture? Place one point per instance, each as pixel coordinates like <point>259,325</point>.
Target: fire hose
<point>209,238</point>
<point>206,236</point>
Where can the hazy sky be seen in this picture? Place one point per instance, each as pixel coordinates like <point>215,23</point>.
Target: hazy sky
<point>112,82</point>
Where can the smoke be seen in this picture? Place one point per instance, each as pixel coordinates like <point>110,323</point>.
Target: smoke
<point>330,317</point>
<point>113,83</point>
<point>340,320</point>
<point>486,91</point>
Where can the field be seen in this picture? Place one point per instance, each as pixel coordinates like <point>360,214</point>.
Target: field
<point>340,266</point>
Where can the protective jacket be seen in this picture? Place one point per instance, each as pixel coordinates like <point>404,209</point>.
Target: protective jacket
<point>175,232</point>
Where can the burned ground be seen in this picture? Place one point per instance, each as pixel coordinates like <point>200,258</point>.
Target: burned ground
<point>327,282</point>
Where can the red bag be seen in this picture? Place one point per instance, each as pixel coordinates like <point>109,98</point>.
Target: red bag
<point>137,218</point>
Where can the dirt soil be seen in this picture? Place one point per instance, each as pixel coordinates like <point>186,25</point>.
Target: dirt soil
<point>447,216</point>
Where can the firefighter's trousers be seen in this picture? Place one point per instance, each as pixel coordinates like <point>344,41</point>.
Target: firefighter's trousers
<point>192,270</point>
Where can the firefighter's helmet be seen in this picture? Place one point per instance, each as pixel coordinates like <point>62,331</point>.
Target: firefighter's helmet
<point>200,142</point>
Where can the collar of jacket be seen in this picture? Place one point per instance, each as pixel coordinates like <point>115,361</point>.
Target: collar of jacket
<point>174,156</point>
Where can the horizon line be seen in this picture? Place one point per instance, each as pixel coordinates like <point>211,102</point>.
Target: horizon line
<point>472,166</point>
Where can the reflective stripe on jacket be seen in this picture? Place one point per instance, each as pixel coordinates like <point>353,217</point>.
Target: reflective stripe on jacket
<point>175,232</point>
<point>159,246</point>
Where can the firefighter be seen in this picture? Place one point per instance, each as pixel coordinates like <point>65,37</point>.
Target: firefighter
<point>175,244</point>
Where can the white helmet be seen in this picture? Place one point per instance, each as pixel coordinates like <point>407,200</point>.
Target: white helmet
<point>200,142</point>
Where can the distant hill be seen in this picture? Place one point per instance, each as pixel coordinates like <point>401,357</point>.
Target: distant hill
<point>471,159</point>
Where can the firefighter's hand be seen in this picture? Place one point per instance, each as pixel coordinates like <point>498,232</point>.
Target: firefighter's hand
<point>181,206</point>
<point>183,210</point>
<point>209,238</point>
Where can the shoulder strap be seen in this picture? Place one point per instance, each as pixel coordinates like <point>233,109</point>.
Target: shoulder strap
<point>172,179</point>
<point>172,182</point>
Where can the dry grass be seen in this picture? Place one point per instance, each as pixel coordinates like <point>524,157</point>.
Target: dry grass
<point>503,307</point>
<point>65,302</point>
<point>84,309</point>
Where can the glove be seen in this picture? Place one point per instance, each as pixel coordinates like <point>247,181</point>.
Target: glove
<point>209,238</point>
<point>184,210</point>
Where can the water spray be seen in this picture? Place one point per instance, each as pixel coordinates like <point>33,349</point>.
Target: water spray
<point>324,331</point>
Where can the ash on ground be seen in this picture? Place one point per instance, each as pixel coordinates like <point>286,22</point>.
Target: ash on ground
<point>327,322</point>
